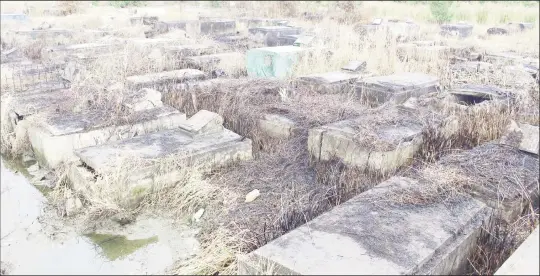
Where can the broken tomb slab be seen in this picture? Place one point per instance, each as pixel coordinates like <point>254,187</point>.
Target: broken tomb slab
<point>204,151</point>
<point>163,81</point>
<point>54,138</point>
<point>396,88</point>
<point>371,235</point>
<point>470,94</point>
<point>214,61</point>
<point>522,136</point>
<point>503,177</point>
<point>277,126</point>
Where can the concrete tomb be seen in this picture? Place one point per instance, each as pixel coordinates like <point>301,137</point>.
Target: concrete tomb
<point>163,81</point>
<point>48,33</point>
<point>470,94</point>
<point>54,138</point>
<point>374,141</point>
<point>211,27</point>
<point>504,177</point>
<point>396,87</point>
<point>215,61</point>
<point>182,51</point>
<point>277,126</point>
<point>371,235</point>
<point>330,82</point>
<point>61,52</point>
<point>275,62</point>
<point>461,30</point>
<point>13,16</point>
<point>199,142</point>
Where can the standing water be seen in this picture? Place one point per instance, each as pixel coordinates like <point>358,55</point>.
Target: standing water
<point>34,240</point>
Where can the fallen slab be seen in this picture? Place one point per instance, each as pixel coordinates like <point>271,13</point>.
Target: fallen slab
<point>200,142</point>
<point>164,81</point>
<point>371,235</point>
<point>55,137</point>
<point>504,58</point>
<point>503,177</point>
<point>524,261</point>
<point>395,88</point>
<point>522,136</point>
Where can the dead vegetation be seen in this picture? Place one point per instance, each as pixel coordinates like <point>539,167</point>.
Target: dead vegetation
<point>294,190</point>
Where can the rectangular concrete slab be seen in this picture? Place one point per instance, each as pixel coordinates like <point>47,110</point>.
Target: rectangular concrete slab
<point>525,260</point>
<point>396,88</point>
<point>60,52</point>
<point>49,33</point>
<point>523,136</point>
<point>276,30</point>
<point>181,51</point>
<point>370,235</point>
<point>330,82</point>
<point>214,61</point>
<point>38,100</point>
<point>163,81</point>
<point>55,138</point>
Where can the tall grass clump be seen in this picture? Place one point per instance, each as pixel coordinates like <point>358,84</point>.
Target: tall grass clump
<point>440,11</point>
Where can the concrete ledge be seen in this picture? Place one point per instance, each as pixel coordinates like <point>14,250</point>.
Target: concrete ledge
<point>369,235</point>
<point>54,140</point>
<point>524,261</point>
<point>164,81</point>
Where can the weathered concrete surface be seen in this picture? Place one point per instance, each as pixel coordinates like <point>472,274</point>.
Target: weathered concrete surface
<point>355,66</point>
<point>276,35</point>
<point>505,178</point>
<point>34,34</point>
<point>396,88</point>
<point>506,58</point>
<point>523,136</point>
<point>143,99</point>
<point>524,261</point>
<point>61,52</point>
<point>273,61</point>
<point>367,145</point>
<point>35,101</point>
<point>211,27</point>
<point>182,51</point>
<point>277,126</point>
<point>163,81</point>
<point>211,62</point>
<point>54,139</point>
<point>203,150</point>
<point>330,82</point>
<point>460,29</point>
<point>473,67</point>
<point>371,235</point>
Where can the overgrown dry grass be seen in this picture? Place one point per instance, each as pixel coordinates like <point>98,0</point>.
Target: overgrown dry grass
<point>293,190</point>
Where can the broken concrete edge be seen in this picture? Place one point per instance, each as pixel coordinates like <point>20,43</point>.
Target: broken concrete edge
<point>522,136</point>
<point>525,260</point>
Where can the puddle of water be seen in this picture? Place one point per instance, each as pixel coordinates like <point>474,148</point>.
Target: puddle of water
<point>116,246</point>
<point>35,241</point>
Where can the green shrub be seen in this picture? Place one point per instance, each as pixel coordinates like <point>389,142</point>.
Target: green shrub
<point>440,10</point>
<point>124,4</point>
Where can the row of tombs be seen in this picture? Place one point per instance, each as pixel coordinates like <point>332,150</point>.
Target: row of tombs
<point>151,139</point>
